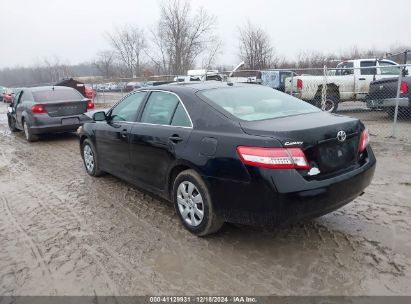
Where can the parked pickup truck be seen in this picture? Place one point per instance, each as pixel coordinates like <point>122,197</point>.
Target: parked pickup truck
<point>349,81</point>
<point>383,95</point>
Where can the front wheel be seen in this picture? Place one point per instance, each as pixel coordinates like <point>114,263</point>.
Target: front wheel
<point>90,160</point>
<point>193,204</point>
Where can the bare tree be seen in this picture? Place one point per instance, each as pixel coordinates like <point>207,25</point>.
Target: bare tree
<point>105,63</point>
<point>181,36</point>
<point>211,54</point>
<point>255,48</point>
<point>129,43</point>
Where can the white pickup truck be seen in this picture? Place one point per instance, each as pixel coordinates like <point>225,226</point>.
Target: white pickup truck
<point>349,81</point>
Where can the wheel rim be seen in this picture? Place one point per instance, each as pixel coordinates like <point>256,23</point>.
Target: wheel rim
<point>190,203</point>
<point>328,105</point>
<point>26,130</point>
<point>88,158</point>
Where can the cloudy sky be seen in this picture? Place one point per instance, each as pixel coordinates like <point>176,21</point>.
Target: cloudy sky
<point>73,30</point>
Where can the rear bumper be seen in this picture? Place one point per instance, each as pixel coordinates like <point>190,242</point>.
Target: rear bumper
<point>45,124</point>
<point>388,102</point>
<point>286,197</point>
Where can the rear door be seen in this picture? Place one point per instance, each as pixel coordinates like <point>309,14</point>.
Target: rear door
<point>158,139</point>
<point>112,137</point>
<point>364,77</point>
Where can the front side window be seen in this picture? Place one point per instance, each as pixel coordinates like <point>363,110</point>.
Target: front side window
<point>366,67</point>
<point>127,109</point>
<point>256,102</point>
<point>388,68</point>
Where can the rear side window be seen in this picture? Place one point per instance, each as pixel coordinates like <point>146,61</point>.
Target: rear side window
<point>365,70</point>
<point>344,68</point>
<point>50,95</point>
<point>180,117</point>
<point>164,108</point>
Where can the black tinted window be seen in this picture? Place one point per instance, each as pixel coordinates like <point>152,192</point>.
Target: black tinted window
<point>180,117</point>
<point>160,108</point>
<point>127,109</point>
<point>57,95</point>
<point>368,71</point>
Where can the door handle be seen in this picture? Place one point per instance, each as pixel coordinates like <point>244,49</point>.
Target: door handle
<point>361,78</point>
<point>175,138</point>
<point>124,133</point>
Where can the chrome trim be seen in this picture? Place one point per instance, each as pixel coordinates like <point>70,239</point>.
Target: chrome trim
<point>146,123</point>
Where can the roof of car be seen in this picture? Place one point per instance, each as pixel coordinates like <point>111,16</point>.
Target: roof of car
<point>195,86</point>
<point>45,88</point>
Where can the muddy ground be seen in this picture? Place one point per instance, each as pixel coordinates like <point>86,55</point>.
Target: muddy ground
<point>63,232</point>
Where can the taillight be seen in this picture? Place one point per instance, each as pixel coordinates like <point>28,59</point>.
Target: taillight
<point>299,84</point>
<point>404,88</point>
<point>38,109</point>
<point>90,105</point>
<point>364,140</point>
<point>273,158</point>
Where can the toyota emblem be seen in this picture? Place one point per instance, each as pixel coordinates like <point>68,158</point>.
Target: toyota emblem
<point>341,136</point>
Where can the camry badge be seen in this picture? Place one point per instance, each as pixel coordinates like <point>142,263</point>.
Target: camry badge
<point>341,136</point>
<point>292,143</point>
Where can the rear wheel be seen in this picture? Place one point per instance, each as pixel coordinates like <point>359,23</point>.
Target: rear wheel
<point>193,204</point>
<point>30,137</point>
<point>90,160</point>
<point>330,105</point>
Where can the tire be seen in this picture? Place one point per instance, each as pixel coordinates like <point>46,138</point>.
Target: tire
<point>331,104</point>
<point>90,159</point>
<point>191,198</point>
<point>30,137</point>
<point>12,124</point>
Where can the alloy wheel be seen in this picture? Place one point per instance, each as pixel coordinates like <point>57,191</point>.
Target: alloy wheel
<point>190,203</point>
<point>88,158</point>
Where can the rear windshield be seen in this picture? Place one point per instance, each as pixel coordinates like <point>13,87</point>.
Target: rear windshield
<point>57,95</point>
<point>256,102</point>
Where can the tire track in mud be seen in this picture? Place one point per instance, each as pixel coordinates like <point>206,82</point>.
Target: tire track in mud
<point>37,252</point>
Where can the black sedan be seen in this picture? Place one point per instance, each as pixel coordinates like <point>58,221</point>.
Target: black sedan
<point>50,109</point>
<point>224,152</point>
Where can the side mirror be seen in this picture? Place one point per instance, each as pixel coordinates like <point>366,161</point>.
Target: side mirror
<point>99,116</point>
<point>404,72</point>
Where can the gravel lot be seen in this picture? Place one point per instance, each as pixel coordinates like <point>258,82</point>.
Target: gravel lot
<point>63,232</point>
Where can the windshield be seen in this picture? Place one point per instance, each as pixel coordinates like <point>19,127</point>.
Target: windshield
<point>256,102</point>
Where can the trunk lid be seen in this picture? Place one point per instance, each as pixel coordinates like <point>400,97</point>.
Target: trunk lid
<point>316,135</point>
<point>383,89</point>
<point>65,108</point>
